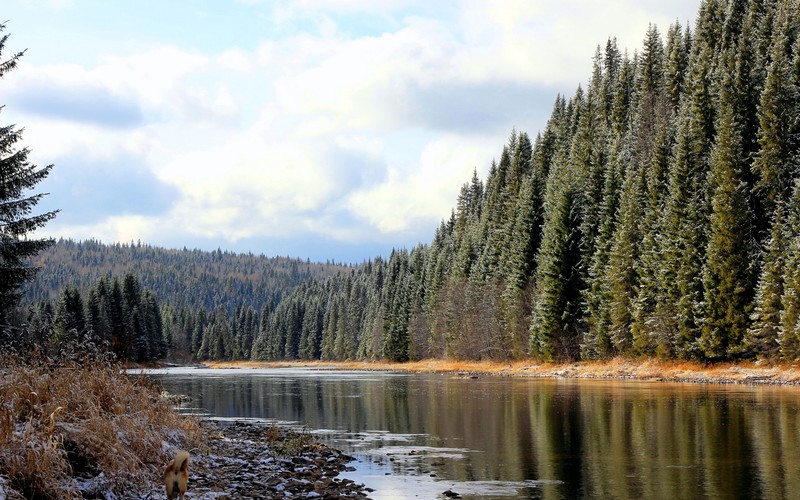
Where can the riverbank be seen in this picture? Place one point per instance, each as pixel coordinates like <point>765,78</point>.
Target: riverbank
<point>83,428</point>
<point>249,460</point>
<point>618,368</point>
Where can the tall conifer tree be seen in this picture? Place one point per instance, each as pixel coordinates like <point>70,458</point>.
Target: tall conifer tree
<point>763,334</point>
<point>17,177</point>
<point>558,307</point>
<point>623,273</point>
<point>775,166</point>
<point>726,277</point>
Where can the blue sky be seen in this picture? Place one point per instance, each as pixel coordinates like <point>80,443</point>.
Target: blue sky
<point>333,129</point>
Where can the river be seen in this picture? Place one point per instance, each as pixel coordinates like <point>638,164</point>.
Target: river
<point>419,435</point>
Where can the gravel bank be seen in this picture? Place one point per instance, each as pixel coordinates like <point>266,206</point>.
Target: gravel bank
<point>245,460</point>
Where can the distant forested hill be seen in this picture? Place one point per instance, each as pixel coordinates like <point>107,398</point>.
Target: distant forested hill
<point>146,303</point>
<point>190,279</point>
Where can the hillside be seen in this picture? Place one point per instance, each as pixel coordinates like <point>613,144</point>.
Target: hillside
<point>183,278</point>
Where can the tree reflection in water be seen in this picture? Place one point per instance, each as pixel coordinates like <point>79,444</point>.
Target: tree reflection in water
<point>536,438</point>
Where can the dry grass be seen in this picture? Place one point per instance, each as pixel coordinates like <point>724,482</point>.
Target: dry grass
<point>639,369</point>
<point>78,420</point>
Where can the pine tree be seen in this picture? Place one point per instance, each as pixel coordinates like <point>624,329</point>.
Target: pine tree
<point>677,62</point>
<point>558,306</point>
<point>623,274</point>
<point>726,279</point>
<point>17,177</point>
<point>763,334</point>
<point>789,332</point>
<point>775,165</point>
<point>69,322</point>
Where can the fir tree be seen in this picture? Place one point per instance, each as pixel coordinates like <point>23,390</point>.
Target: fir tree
<point>17,177</point>
<point>677,62</point>
<point>69,320</point>
<point>763,334</point>
<point>726,278</point>
<point>557,311</point>
<point>623,277</point>
<point>776,163</point>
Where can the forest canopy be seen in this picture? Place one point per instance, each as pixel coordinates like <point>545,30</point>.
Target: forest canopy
<point>656,214</point>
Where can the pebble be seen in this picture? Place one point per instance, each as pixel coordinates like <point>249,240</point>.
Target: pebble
<point>240,463</point>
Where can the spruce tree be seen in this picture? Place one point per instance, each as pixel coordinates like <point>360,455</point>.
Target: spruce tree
<point>17,177</point>
<point>597,341</point>
<point>677,62</point>
<point>622,102</point>
<point>726,279</point>
<point>652,67</point>
<point>789,332</point>
<point>396,299</point>
<point>685,224</point>
<point>623,276</point>
<point>69,321</point>
<point>612,63</point>
<point>520,263</point>
<point>775,165</point>
<point>763,334</point>
<point>560,276</point>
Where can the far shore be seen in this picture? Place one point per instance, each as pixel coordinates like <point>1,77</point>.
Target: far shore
<point>618,368</point>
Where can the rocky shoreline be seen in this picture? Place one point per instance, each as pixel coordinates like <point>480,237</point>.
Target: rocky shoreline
<point>244,460</point>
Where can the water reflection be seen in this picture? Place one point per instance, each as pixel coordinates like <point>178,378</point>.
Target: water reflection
<point>530,438</point>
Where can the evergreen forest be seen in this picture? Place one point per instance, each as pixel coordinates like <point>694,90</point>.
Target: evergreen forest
<point>147,303</point>
<point>656,214</point>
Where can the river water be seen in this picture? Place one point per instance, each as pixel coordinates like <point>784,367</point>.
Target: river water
<point>418,435</point>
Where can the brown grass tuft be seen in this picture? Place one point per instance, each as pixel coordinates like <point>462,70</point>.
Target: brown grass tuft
<point>59,424</point>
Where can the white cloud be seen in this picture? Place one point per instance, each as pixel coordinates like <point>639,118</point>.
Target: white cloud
<point>125,228</point>
<point>156,81</point>
<point>235,60</point>
<point>536,41</point>
<point>321,132</point>
<point>422,196</point>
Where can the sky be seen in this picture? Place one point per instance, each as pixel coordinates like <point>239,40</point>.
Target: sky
<point>328,130</point>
